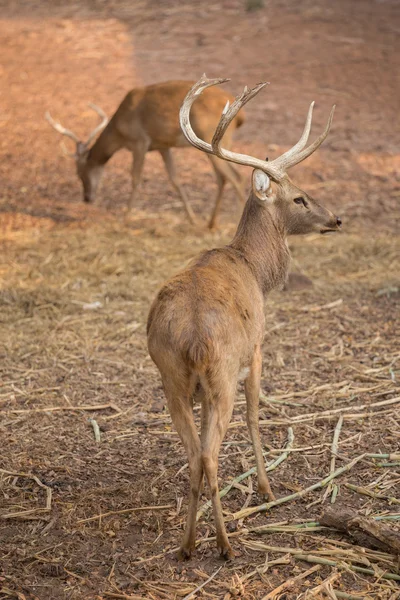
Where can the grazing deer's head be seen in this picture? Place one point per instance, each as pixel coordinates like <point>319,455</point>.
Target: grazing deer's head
<point>294,210</point>
<point>88,174</point>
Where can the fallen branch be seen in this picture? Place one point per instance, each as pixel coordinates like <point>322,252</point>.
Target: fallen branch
<point>320,484</point>
<point>366,532</point>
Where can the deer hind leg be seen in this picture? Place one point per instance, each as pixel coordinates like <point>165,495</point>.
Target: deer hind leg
<point>169,165</point>
<point>217,414</point>
<point>139,152</point>
<point>252,393</point>
<point>180,406</point>
<point>225,172</point>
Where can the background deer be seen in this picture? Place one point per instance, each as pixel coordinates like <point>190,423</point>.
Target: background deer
<point>205,327</point>
<point>148,119</point>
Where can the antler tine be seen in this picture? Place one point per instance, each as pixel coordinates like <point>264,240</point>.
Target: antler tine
<point>290,159</point>
<point>227,116</point>
<point>58,127</point>
<point>301,143</point>
<point>230,112</point>
<point>101,125</point>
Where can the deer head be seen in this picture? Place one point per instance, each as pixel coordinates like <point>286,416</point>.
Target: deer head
<point>89,175</point>
<point>294,210</point>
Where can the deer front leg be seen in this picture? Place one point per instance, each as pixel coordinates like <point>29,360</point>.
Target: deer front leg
<point>169,165</point>
<point>252,393</point>
<point>139,152</point>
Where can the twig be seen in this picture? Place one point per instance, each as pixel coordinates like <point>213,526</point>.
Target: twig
<point>334,449</point>
<point>126,510</point>
<point>322,586</point>
<point>298,555</point>
<point>124,596</point>
<point>367,492</point>
<point>323,306</point>
<point>391,456</point>
<point>57,408</point>
<point>332,563</point>
<point>96,429</point>
<point>250,472</point>
<point>326,414</point>
<point>285,560</point>
<point>203,584</point>
<point>289,583</point>
<point>267,505</point>
<point>40,484</point>
<point>363,596</point>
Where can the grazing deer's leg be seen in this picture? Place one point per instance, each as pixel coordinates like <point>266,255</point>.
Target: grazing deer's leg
<point>252,392</point>
<point>221,181</point>
<point>180,407</point>
<point>225,172</point>
<point>169,165</point>
<point>139,152</point>
<point>219,407</point>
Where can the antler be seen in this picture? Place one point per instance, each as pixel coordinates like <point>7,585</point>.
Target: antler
<point>227,116</point>
<point>298,153</point>
<point>277,168</point>
<point>101,125</point>
<point>58,127</point>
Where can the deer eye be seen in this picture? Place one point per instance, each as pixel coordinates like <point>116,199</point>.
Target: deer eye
<point>301,200</point>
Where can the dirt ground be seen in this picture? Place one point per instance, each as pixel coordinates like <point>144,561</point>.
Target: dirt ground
<point>76,282</point>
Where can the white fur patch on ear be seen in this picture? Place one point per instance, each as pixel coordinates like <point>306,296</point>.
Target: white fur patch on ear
<point>261,185</point>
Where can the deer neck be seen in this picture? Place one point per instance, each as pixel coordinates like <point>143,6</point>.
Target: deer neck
<point>261,239</point>
<point>105,146</point>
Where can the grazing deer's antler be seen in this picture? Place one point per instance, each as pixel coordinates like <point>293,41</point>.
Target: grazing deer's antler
<point>276,169</point>
<point>67,132</point>
<point>101,125</point>
<point>58,127</point>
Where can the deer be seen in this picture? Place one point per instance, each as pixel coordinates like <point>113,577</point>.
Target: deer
<point>147,120</point>
<point>206,325</point>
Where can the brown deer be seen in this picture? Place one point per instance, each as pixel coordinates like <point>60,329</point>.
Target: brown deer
<point>205,327</point>
<point>148,119</point>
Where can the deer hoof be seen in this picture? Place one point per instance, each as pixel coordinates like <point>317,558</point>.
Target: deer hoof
<point>226,552</point>
<point>184,553</point>
<point>266,492</point>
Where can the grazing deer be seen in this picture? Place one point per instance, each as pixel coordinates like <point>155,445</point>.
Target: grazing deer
<point>147,119</point>
<point>206,325</point>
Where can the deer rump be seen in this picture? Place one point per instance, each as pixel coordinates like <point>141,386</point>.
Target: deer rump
<point>207,315</point>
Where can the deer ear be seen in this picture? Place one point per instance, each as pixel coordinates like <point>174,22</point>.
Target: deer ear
<point>261,185</point>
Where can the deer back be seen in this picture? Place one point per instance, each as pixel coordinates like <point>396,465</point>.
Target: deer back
<point>153,112</point>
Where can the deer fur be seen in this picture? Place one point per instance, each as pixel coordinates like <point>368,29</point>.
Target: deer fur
<point>206,326</point>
